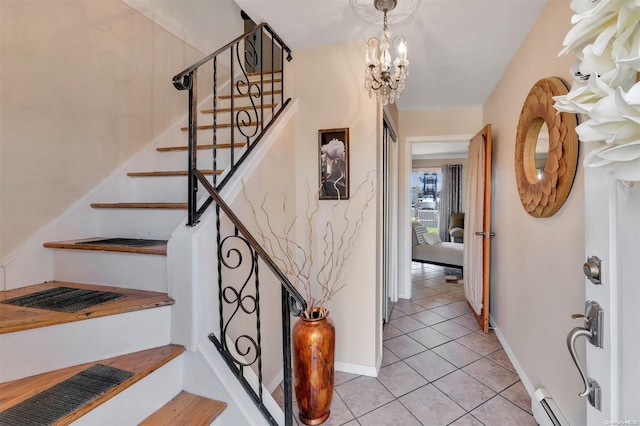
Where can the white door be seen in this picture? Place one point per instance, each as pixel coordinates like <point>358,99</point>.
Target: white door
<point>612,235</point>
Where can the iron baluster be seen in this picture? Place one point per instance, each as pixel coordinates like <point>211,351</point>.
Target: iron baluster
<point>233,133</point>
<point>240,348</point>
<point>215,121</point>
<point>193,135</point>
<point>286,356</point>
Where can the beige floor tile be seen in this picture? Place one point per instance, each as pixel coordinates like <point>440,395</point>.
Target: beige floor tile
<point>451,329</point>
<point>340,414</point>
<point>363,394</point>
<point>491,374</point>
<point>392,414</point>
<point>464,389</point>
<point>390,332</point>
<point>400,379</point>
<point>428,302</point>
<point>406,324</point>
<point>431,407</point>
<point>395,314</point>
<point>448,312</point>
<point>404,346</point>
<point>477,342</point>
<point>499,411</point>
<point>469,321</point>
<point>428,317</point>
<point>518,395</point>
<point>408,307</point>
<point>388,357</point>
<point>429,337</point>
<point>467,420</point>
<point>500,357</point>
<point>456,354</point>
<point>490,335</point>
<point>429,365</point>
<point>340,377</point>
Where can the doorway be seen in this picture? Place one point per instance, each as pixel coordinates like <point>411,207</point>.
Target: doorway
<point>431,148</point>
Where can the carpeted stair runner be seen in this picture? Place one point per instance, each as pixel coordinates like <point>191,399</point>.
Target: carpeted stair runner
<point>63,398</point>
<point>64,299</point>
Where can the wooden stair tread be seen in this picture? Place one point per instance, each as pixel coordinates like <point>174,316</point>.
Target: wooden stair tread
<point>236,96</point>
<point>170,173</point>
<point>17,318</point>
<point>170,206</point>
<point>266,80</point>
<point>237,108</point>
<point>206,146</point>
<point>254,73</point>
<point>186,409</point>
<point>222,126</point>
<point>140,363</point>
<point>158,249</point>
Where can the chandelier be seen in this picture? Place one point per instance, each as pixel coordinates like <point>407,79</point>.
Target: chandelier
<point>382,76</point>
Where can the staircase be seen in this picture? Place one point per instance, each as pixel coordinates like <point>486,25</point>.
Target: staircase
<point>65,360</point>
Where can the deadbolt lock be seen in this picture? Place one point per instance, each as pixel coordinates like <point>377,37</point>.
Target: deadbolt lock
<point>592,269</point>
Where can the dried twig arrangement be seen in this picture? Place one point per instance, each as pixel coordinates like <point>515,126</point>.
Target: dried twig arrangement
<point>315,266</point>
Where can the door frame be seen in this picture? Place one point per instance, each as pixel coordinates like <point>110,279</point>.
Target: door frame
<point>390,160</point>
<point>404,211</point>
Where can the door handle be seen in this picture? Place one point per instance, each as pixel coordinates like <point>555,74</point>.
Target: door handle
<point>593,332</point>
<point>486,234</point>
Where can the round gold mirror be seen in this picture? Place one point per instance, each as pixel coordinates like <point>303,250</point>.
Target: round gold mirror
<point>546,150</point>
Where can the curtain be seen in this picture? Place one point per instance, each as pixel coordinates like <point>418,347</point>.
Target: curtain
<point>473,222</point>
<point>450,197</point>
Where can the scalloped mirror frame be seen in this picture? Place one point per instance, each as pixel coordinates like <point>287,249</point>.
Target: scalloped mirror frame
<point>544,196</point>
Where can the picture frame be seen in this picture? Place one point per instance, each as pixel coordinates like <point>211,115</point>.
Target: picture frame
<point>333,162</point>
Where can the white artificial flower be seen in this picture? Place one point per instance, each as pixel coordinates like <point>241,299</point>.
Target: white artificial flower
<point>333,151</point>
<point>606,40</point>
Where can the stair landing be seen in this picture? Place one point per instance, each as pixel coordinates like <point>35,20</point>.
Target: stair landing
<point>17,318</point>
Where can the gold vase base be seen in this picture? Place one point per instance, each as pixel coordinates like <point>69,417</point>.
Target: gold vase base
<point>316,421</point>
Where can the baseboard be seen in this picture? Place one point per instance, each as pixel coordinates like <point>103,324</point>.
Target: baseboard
<point>363,370</point>
<point>541,417</point>
<point>505,345</point>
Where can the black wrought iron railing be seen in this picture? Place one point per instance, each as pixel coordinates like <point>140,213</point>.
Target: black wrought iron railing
<point>255,60</point>
<point>241,259</point>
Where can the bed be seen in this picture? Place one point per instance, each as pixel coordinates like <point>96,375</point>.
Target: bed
<point>438,253</point>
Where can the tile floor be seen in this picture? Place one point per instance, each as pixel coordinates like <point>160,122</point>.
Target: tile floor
<point>438,368</point>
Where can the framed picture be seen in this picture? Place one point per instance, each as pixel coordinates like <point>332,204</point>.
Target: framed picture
<point>333,152</point>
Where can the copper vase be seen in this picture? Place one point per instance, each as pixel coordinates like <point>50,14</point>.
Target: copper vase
<point>314,342</point>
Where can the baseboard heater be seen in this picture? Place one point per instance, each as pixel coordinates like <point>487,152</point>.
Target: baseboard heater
<point>545,410</point>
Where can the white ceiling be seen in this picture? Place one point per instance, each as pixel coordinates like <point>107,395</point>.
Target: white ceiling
<point>458,49</point>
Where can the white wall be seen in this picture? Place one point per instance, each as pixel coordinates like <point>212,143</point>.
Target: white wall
<point>85,86</point>
<point>205,25</point>
<point>328,83</point>
<point>537,280</point>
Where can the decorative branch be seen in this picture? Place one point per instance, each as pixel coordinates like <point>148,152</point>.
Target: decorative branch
<point>316,274</point>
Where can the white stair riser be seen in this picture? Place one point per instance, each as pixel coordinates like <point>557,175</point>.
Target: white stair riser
<point>205,136</point>
<point>224,117</point>
<point>170,189</point>
<point>29,352</point>
<point>175,160</point>
<point>139,223</point>
<point>127,270</point>
<point>140,400</point>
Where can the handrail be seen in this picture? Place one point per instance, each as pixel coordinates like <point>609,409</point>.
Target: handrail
<point>179,79</point>
<point>262,48</point>
<point>255,245</point>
